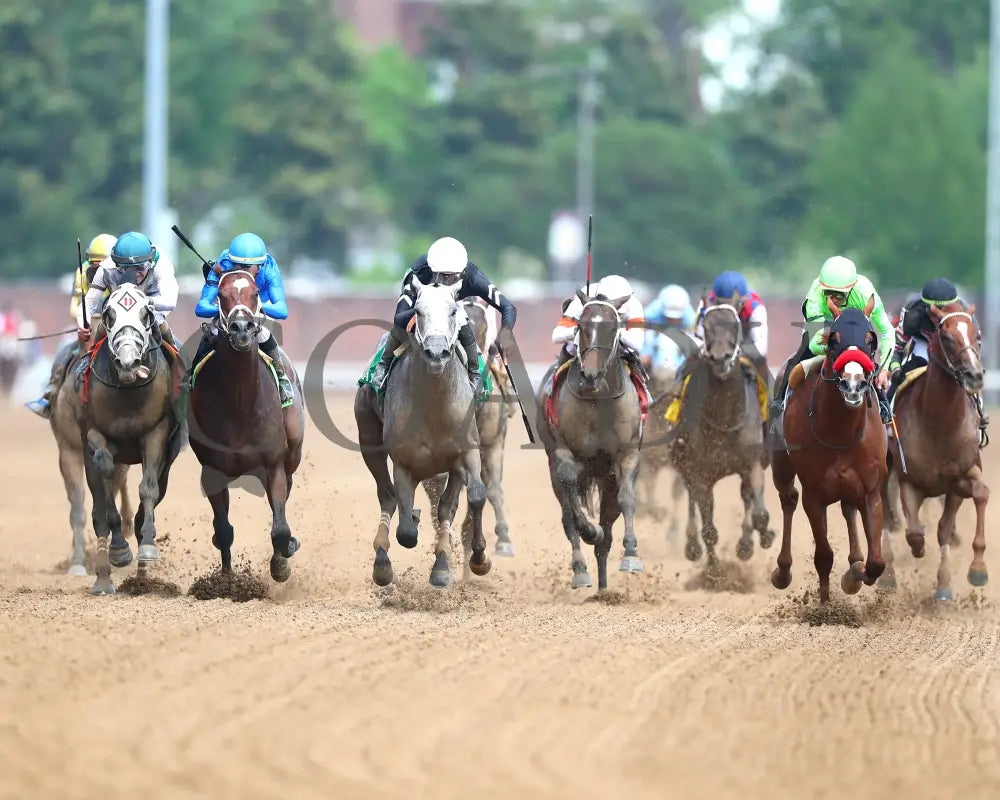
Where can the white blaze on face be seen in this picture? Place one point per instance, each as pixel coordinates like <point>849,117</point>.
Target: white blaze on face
<point>852,369</point>
<point>241,283</point>
<point>963,331</point>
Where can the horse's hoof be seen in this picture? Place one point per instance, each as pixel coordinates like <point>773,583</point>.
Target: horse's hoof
<point>280,570</point>
<point>407,539</point>
<point>148,553</point>
<point>77,571</point>
<point>744,549</point>
<point>504,549</point>
<point>767,538</point>
<point>887,582</point>
<point>943,595</point>
<point>630,564</point>
<point>292,547</point>
<point>382,571</point>
<point>120,557</point>
<point>978,577</point>
<point>482,566</point>
<point>781,579</point>
<point>692,550</point>
<point>581,580</point>
<point>849,584</point>
<point>103,586</point>
<point>916,543</point>
<point>592,534</point>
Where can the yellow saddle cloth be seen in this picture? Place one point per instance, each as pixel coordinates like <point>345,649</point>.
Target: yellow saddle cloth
<point>909,380</point>
<point>674,409</point>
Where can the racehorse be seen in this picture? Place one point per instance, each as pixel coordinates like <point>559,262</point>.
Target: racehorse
<point>126,414</point>
<point>725,439</point>
<point>237,425</point>
<point>592,431</point>
<point>835,443</point>
<point>938,431</point>
<point>425,422</point>
<point>67,435</point>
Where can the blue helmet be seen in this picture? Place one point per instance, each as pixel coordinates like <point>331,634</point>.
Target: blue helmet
<point>730,284</point>
<point>133,249</point>
<point>247,248</point>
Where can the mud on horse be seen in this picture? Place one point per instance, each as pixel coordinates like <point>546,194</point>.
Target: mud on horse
<point>938,429</point>
<point>836,446</point>
<point>237,425</point>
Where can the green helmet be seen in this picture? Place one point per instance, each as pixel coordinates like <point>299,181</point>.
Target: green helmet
<point>838,274</point>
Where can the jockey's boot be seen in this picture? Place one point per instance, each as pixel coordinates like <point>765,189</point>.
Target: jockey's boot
<point>383,364</point>
<point>167,336</point>
<point>204,347</point>
<point>285,392</point>
<point>467,338</point>
<point>43,405</point>
<point>884,411</point>
<point>984,420</point>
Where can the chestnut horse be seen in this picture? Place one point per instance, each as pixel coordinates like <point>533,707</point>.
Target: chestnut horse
<point>237,425</point>
<point>938,429</point>
<point>836,447</point>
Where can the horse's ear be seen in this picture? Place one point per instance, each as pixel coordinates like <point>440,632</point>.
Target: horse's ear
<point>217,270</point>
<point>618,302</point>
<point>870,306</point>
<point>833,340</point>
<point>935,313</point>
<point>455,289</point>
<point>872,341</point>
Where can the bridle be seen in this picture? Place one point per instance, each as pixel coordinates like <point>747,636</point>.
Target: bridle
<point>947,364</point>
<point>836,379</point>
<point>730,359</point>
<point>241,309</point>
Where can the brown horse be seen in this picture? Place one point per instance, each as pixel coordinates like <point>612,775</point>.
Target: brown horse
<point>237,425</point>
<point>938,429</point>
<point>836,446</point>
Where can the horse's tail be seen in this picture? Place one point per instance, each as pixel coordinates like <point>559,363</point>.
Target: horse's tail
<point>586,491</point>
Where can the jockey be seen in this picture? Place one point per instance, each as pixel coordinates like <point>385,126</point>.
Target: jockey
<point>915,329</point>
<point>840,286</point>
<point>246,252</point>
<point>447,262</point>
<point>671,309</point>
<point>135,260</point>
<point>630,314</point>
<point>98,253</point>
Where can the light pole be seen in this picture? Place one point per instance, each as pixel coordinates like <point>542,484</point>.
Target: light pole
<point>992,282</point>
<point>154,157</point>
<point>586,166</point>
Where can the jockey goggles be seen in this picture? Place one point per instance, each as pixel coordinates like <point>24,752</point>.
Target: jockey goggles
<point>447,278</point>
<point>836,295</point>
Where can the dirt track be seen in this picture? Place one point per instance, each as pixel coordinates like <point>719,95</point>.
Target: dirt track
<point>511,686</point>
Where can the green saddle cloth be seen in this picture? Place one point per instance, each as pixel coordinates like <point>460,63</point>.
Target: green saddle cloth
<point>366,378</point>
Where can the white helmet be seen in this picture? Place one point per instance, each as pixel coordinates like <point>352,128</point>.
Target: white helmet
<point>614,287</point>
<point>447,255</point>
<point>675,301</point>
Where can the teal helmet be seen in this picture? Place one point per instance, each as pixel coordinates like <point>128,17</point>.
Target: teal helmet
<point>248,249</point>
<point>133,249</point>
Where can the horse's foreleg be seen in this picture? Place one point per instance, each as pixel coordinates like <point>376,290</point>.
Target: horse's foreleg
<point>783,476</point>
<point>405,488</point>
<point>377,461</point>
<point>852,579</point>
<point>626,469</point>
<point>744,547</point>
<point>564,492</point>
<point>567,471</point>
<point>705,498</point>
<point>154,447</point>
<point>98,483</point>
<point>475,489</point>
<point>692,547</point>
<point>215,487</point>
<point>283,543</point>
<point>761,517</point>
<point>890,503</point>
<point>871,519</point>
<point>492,477</point>
<point>823,556</point>
<point>978,575</point>
<point>912,499</point>
<point>71,467</point>
<point>610,510</point>
<point>444,514</point>
<point>119,483</point>
<point>945,530</point>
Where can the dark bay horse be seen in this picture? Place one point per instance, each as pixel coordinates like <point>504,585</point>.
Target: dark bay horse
<point>593,442</point>
<point>426,423</point>
<point>237,425</point>
<point>836,447</point>
<point>725,439</point>
<point>129,417</point>
<point>938,427</point>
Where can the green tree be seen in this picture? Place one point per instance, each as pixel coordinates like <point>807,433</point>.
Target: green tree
<point>905,189</point>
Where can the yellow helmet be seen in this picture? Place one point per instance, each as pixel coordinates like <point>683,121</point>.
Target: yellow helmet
<point>100,247</point>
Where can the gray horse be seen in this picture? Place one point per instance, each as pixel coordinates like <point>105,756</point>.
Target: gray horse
<point>491,421</point>
<point>67,435</point>
<point>426,423</point>
<point>725,439</point>
<point>593,441</point>
<point>129,418</point>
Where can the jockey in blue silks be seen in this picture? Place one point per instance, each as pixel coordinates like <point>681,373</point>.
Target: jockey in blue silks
<point>247,251</point>
<point>671,309</point>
